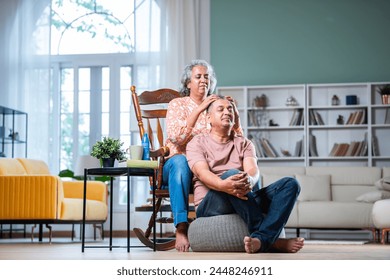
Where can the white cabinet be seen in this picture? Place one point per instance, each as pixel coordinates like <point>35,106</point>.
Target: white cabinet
<point>277,129</point>
<point>380,128</point>
<point>315,124</point>
<point>341,138</point>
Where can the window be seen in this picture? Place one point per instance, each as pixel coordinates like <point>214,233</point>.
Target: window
<point>95,60</point>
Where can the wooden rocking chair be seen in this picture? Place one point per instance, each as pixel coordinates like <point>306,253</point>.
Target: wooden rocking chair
<point>159,98</point>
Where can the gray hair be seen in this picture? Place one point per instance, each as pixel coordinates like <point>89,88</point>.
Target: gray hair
<point>219,97</point>
<point>186,77</point>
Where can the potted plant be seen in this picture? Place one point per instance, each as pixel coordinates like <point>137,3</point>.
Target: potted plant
<point>384,91</point>
<point>108,150</point>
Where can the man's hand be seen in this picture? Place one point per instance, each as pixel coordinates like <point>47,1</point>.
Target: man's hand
<point>237,185</point>
<point>236,113</point>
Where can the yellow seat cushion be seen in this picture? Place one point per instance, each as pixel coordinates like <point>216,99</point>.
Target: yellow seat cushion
<point>72,209</point>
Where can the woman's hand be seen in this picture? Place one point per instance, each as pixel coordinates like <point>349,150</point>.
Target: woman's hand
<point>206,103</point>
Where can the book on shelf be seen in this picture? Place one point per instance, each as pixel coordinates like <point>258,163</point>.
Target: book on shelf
<point>263,146</point>
<point>299,149</point>
<point>318,118</point>
<point>315,118</point>
<point>387,116</point>
<point>252,121</point>
<point>364,150</point>
<point>375,148</point>
<point>353,149</point>
<point>297,118</point>
<point>257,118</point>
<point>313,146</point>
<point>134,163</point>
<point>256,143</point>
<point>268,148</point>
<point>339,149</point>
<point>357,117</point>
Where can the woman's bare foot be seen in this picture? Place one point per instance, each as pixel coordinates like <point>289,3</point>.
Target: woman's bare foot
<point>288,245</point>
<point>182,244</point>
<point>252,245</point>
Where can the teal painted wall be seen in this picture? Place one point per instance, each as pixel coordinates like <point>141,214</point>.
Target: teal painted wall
<point>257,42</point>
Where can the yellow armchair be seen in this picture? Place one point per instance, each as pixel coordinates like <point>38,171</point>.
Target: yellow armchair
<point>72,206</point>
<point>29,194</point>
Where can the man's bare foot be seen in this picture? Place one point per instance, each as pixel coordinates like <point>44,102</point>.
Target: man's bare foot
<point>252,245</point>
<point>288,245</point>
<point>182,244</point>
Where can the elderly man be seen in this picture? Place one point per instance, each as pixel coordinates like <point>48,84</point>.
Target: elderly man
<point>226,181</point>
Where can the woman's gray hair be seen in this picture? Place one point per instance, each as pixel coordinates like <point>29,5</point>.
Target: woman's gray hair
<point>186,77</point>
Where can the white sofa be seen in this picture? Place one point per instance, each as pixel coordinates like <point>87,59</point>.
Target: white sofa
<point>332,197</point>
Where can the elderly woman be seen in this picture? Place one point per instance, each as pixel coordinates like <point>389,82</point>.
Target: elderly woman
<point>186,117</point>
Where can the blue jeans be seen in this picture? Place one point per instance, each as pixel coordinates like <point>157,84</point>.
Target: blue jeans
<point>177,177</point>
<point>265,212</point>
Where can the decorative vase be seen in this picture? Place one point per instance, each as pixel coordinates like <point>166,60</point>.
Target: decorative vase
<point>107,162</point>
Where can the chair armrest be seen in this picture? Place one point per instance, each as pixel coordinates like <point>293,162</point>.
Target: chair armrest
<point>29,196</point>
<point>161,152</point>
<point>96,190</point>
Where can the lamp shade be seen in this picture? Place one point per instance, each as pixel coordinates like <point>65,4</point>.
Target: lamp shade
<point>85,161</point>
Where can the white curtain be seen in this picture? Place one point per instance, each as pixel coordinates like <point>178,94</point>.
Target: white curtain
<point>25,32</point>
<point>185,36</point>
<point>25,76</point>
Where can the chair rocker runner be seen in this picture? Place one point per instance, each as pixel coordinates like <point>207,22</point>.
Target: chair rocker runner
<point>158,98</point>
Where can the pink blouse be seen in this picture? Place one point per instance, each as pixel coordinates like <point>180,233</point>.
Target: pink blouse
<point>178,132</point>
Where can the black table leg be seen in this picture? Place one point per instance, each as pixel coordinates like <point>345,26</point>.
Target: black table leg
<point>111,206</point>
<point>84,210</point>
<point>128,212</point>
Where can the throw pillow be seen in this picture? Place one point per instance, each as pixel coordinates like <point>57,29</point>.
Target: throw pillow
<point>268,179</point>
<point>383,184</point>
<point>373,196</point>
<point>314,188</point>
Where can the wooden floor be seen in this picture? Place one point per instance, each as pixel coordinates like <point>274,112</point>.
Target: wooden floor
<point>65,249</point>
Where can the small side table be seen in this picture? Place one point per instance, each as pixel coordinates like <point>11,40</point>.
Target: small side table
<point>116,172</point>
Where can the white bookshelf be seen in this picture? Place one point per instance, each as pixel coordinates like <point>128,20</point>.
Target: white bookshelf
<point>369,114</point>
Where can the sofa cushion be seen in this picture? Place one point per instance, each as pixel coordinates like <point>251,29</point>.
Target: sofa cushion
<point>385,172</point>
<point>314,188</point>
<point>274,173</point>
<point>72,209</point>
<point>335,215</point>
<point>10,166</point>
<point>373,196</point>
<point>34,166</point>
<point>271,178</point>
<point>383,184</point>
<point>380,213</point>
<point>357,175</point>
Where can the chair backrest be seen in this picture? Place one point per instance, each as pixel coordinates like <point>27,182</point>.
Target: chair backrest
<point>151,107</point>
<point>159,98</point>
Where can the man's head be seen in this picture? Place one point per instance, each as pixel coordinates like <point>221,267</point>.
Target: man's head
<point>220,113</point>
